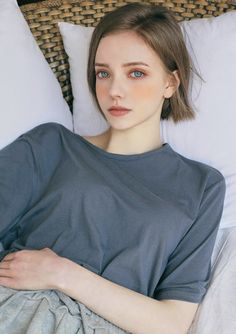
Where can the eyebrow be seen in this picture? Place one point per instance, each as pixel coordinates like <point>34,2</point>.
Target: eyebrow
<point>124,65</point>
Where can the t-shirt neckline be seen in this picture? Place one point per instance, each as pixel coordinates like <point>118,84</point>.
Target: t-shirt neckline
<point>164,147</point>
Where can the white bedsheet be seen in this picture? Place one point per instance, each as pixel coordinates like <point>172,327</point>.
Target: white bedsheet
<point>217,313</point>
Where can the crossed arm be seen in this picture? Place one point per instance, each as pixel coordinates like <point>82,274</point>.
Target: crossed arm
<point>127,309</point>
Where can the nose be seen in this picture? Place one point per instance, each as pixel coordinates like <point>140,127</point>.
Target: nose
<point>116,88</point>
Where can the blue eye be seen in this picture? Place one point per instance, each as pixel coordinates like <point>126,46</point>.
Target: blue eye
<point>138,74</point>
<point>101,76</point>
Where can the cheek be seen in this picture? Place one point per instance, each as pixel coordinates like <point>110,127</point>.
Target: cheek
<point>101,92</point>
<point>147,91</point>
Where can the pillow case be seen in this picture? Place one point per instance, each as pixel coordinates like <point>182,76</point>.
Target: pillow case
<point>86,116</point>
<point>216,313</point>
<point>29,91</point>
<point>210,137</point>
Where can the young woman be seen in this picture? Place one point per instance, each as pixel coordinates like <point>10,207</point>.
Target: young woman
<point>119,221</point>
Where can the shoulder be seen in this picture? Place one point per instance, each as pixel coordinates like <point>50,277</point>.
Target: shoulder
<point>47,140</point>
<point>47,134</point>
<point>45,129</point>
<point>51,132</point>
<point>27,141</point>
<point>199,170</point>
<point>192,181</point>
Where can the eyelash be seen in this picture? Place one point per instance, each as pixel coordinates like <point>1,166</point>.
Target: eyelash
<point>143,74</point>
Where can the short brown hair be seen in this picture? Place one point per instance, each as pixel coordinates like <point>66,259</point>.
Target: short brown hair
<point>158,27</point>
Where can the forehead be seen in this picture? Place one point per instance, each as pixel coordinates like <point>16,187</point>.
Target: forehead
<point>125,47</point>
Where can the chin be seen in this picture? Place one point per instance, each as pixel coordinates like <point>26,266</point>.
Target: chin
<point>120,126</point>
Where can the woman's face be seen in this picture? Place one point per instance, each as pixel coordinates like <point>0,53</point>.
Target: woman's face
<point>130,74</point>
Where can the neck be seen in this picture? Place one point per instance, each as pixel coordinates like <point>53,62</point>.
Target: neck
<point>132,141</point>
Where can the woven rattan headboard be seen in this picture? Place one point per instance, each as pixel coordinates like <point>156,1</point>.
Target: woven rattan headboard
<point>43,16</point>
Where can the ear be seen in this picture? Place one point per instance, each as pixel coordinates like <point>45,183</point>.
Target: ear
<point>172,85</point>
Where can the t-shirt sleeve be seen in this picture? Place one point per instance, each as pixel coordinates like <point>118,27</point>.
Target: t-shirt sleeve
<point>188,269</point>
<point>16,185</point>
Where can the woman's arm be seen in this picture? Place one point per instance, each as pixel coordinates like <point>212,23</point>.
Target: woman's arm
<point>127,309</point>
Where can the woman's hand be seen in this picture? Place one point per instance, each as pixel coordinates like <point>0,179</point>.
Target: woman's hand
<point>31,269</point>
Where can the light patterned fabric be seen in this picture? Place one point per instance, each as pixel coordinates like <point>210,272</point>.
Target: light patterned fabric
<point>48,312</point>
<point>216,313</point>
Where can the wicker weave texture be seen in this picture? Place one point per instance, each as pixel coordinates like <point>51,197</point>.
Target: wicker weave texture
<point>42,18</point>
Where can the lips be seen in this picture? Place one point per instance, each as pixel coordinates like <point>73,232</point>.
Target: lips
<point>118,111</point>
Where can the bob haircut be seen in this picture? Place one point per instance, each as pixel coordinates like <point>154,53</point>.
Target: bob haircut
<point>159,29</point>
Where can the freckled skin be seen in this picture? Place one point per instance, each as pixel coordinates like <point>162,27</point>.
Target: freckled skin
<point>144,95</point>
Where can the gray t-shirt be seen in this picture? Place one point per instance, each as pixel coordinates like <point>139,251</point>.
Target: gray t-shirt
<point>145,221</point>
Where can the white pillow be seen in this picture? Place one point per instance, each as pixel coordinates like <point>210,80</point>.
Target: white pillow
<point>211,137</point>
<point>29,91</point>
<point>87,118</point>
<point>216,313</point>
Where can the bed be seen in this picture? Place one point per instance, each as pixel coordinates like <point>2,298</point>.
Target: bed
<point>217,312</point>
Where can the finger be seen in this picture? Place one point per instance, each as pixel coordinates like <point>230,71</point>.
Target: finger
<point>17,255</point>
<point>5,265</point>
<point>8,283</point>
<point>10,265</point>
<point>9,257</point>
<point>5,273</point>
